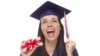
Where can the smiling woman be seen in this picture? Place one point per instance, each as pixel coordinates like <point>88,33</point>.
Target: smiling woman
<point>50,27</point>
<point>51,32</point>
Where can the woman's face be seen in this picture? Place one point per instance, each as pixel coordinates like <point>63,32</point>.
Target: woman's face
<point>50,27</point>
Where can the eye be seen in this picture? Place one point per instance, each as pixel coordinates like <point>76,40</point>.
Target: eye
<point>44,22</point>
<point>54,20</point>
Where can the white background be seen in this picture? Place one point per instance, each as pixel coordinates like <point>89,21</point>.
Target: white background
<point>16,24</point>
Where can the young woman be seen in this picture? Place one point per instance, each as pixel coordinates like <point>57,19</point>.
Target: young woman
<point>51,32</point>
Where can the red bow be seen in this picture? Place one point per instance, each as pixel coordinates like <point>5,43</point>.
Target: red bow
<point>30,44</point>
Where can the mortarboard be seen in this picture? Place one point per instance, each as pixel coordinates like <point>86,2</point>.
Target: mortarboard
<point>49,8</point>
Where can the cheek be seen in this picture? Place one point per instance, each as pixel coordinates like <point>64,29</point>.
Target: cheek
<point>43,27</point>
<point>58,28</point>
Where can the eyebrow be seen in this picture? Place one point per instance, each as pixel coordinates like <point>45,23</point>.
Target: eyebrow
<point>43,19</point>
<point>54,18</point>
<point>46,19</point>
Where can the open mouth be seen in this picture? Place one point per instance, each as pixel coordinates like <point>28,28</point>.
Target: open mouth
<point>50,33</point>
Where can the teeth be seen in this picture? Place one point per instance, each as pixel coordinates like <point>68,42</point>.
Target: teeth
<point>50,30</point>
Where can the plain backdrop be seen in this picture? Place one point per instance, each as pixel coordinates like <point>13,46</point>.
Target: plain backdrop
<point>16,24</point>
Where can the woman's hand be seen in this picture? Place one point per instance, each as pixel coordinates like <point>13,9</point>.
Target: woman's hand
<point>27,53</point>
<point>70,45</point>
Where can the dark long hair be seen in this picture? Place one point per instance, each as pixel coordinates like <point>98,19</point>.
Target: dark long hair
<point>60,47</point>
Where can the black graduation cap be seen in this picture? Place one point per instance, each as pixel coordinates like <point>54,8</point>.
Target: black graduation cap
<point>49,8</point>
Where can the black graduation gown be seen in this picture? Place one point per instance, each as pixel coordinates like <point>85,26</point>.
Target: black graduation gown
<point>39,52</point>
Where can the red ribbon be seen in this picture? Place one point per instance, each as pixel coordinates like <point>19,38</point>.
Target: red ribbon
<point>30,44</point>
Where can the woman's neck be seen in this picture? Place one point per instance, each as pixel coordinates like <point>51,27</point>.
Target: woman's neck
<point>50,47</point>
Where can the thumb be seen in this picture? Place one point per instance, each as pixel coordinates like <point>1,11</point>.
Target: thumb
<point>28,53</point>
<point>31,51</point>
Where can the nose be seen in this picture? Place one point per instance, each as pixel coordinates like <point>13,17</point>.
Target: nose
<point>50,24</point>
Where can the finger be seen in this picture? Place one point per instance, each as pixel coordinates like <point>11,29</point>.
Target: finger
<point>68,40</point>
<point>31,51</point>
<point>22,41</point>
<point>22,52</point>
<point>21,45</point>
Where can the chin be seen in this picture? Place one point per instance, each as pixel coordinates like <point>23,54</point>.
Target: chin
<point>52,40</point>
